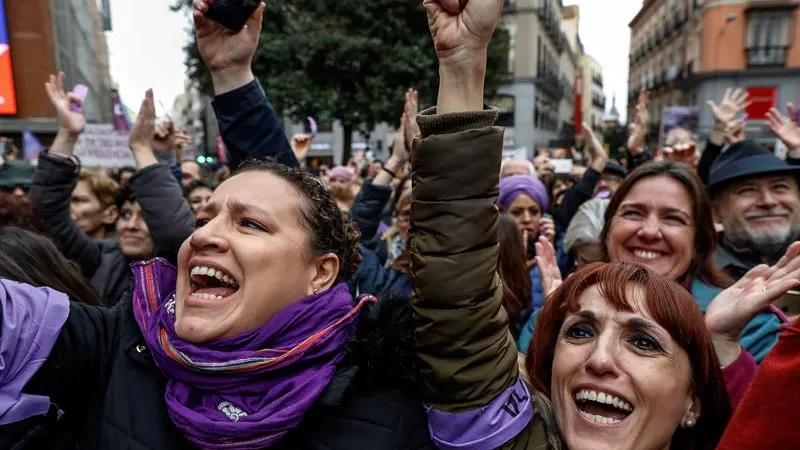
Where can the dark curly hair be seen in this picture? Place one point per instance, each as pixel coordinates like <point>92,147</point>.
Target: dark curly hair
<point>124,195</point>
<point>329,231</point>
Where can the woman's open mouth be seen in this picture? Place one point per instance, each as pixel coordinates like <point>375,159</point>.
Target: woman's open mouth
<point>208,283</point>
<point>600,407</point>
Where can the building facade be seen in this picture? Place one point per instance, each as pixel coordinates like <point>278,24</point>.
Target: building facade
<point>589,75</point>
<point>192,112</point>
<point>688,52</point>
<point>593,102</point>
<point>46,36</point>
<point>535,104</point>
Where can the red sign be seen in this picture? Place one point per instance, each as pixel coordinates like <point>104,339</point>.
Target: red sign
<point>761,100</point>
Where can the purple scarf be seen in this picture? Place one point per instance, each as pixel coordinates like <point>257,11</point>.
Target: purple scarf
<point>245,392</point>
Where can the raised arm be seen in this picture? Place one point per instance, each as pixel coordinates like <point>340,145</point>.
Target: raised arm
<point>247,122</point>
<point>371,200</point>
<point>166,212</point>
<point>463,344</point>
<point>55,179</point>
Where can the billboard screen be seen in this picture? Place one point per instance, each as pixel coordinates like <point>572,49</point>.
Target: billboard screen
<point>8,100</point>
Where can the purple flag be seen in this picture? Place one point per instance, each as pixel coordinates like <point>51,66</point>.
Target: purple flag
<point>31,147</point>
<point>120,119</point>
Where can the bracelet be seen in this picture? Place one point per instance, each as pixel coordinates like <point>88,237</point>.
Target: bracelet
<point>393,174</point>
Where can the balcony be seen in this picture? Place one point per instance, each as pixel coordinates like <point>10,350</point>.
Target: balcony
<point>551,84</point>
<point>767,56</point>
<point>597,80</point>
<point>541,13</point>
<point>599,102</point>
<point>560,42</point>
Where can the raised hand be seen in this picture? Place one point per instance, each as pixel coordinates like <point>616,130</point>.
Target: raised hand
<point>410,111</point>
<point>547,229</point>
<point>164,138</point>
<point>736,306</point>
<point>301,144</point>
<point>735,131</point>
<point>461,28</point>
<point>685,153</point>
<point>227,53</point>
<point>733,103</point>
<point>400,149</point>
<point>143,132</point>
<point>597,153</point>
<point>785,128</point>
<point>548,266</point>
<point>69,121</point>
<point>637,132</point>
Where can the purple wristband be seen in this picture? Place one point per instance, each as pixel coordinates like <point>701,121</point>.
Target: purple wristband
<point>488,427</point>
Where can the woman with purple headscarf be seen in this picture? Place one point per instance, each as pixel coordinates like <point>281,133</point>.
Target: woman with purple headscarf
<point>253,341</point>
<point>525,199</point>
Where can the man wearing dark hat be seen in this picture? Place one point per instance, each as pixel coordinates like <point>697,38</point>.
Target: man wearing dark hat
<point>610,179</point>
<point>756,198</point>
<point>16,177</point>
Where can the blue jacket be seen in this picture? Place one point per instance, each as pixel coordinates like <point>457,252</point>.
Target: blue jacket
<point>373,278</point>
<point>758,337</point>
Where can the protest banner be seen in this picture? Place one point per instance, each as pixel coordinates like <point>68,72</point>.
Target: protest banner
<point>102,146</point>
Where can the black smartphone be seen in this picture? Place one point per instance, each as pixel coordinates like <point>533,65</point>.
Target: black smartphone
<point>232,14</point>
<point>532,247</point>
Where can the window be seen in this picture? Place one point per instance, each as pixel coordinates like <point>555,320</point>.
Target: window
<point>767,38</point>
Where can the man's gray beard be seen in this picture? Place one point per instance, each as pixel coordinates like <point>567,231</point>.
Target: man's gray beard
<point>767,245</point>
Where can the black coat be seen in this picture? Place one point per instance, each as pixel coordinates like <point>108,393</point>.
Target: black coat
<point>102,377</point>
<point>167,214</point>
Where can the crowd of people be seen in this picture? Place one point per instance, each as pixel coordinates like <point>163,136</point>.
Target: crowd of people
<point>442,298</point>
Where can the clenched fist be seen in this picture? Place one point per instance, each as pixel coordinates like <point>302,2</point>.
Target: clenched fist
<point>461,29</point>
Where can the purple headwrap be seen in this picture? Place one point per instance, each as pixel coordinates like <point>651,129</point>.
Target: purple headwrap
<point>511,188</point>
<point>341,173</point>
<point>245,392</point>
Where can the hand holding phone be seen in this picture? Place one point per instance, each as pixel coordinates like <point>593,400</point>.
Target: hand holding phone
<point>232,14</point>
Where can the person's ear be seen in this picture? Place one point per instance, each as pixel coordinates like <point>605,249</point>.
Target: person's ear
<point>692,414</point>
<point>110,215</point>
<point>326,270</point>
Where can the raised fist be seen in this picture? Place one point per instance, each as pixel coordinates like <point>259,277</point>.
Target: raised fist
<point>461,29</point>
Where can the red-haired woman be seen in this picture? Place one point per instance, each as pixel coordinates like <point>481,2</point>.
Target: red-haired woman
<point>626,361</point>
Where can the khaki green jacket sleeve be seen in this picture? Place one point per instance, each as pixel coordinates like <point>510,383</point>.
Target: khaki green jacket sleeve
<point>465,351</point>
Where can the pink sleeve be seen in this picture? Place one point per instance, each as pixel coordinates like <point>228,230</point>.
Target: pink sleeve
<point>738,377</point>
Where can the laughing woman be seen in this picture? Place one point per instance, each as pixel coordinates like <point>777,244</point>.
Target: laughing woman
<point>253,341</point>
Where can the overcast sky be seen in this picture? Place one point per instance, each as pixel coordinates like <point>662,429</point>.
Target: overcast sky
<point>146,46</point>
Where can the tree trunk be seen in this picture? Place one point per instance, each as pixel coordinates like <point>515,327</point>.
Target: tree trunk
<point>347,148</point>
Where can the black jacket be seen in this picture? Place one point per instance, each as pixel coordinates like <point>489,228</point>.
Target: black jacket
<point>166,212</point>
<point>111,394</point>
